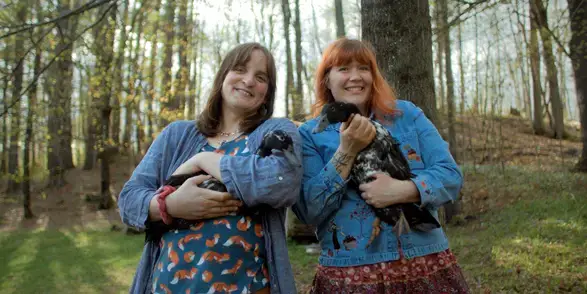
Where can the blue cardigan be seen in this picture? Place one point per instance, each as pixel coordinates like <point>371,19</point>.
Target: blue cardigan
<point>343,217</point>
<point>272,180</point>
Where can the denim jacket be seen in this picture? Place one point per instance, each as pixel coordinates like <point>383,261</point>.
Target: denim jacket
<point>272,180</point>
<point>340,213</point>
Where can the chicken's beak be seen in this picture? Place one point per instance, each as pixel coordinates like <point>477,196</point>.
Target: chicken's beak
<point>322,124</point>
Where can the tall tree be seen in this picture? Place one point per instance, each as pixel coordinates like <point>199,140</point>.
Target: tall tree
<point>28,140</point>
<point>525,104</point>
<point>18,72</point>
<point>298,97</point>
<point>401,33</point>
<point>170,103</point>
<point>578,45</point>
<point>461,67</point>
<point>450,105</point>
<point>439,54</point>
<point>118,73</point>
<point>183,38</point>
<point>289,83</point>
<point>59,155</point>
<point>131,100</point>
<point>101,90</point>
<point>340,32</point>
<point>136,74</point>
<point>551,71</point>
<point>192,58</point>
<point>538,123</point>
<point>151,91</point>
<point>4,133</point>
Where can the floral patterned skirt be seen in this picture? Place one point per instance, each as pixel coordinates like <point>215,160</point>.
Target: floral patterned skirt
<point>434,273</point>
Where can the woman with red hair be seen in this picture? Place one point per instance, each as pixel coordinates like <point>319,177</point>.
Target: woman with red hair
<point>359,254</point>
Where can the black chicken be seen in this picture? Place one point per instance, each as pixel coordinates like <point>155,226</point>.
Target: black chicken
<point>383,155</point>
<point>276,140</point>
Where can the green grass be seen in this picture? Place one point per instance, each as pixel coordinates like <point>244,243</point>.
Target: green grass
<point>537,244</point>
<point>532,239</point>
<point>67,261</point>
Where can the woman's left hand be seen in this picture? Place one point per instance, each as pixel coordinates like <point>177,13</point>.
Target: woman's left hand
<point>385,191</point>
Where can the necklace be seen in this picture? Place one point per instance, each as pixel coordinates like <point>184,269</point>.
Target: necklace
<point>225,134</point>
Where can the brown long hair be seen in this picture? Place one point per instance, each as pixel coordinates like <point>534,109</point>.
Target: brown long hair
<point>209,119</point>
<point>344,51</point>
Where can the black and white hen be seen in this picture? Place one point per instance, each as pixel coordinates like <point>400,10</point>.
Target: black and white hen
<point>383,155</point>
<point>273,141</point>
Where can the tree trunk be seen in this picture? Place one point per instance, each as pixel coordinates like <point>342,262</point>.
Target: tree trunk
<point>339,18</point>
<point>137,74</point>
<point>578,45</point>
<point>28,141</point>
<point>461,67</point>
<point>538,124</point>
<point>400,32</point>
<point>452,208</point>
<point>151,92</point>
<point>170,103</point>
<point>316,35</point>
<point>104,51</point>
<point>551,70</point>
<point>90,138</point>
<point>59,157</point>
<point>298,97</point>
<point>440,61</point>
<point>452,136</point>
<point>132,99</point>
<point>192,63</point>
<point>526,104</point>
<point>4,133</point>
<point>129,100</point>
<point>182,75</point>
<point>289,87</point>
<point>13,153</point>
<point>198,77</point>
<point>118,77</point>
<point>475,108</point>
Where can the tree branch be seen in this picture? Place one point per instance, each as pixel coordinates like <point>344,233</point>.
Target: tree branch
<point>27,53</point>
<point>457,19</point>
<point>67,46</point>
<point>550,32</point>
<point>79,10</point>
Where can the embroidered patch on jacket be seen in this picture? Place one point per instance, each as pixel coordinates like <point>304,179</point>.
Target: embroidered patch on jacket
<point>426,189</point>
<point>412,155</point>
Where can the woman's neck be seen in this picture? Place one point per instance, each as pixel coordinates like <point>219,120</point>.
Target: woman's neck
<point>230,122</point>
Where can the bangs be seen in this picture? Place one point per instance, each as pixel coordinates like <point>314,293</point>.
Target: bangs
<point>241,58</point>
<point>349,51</point>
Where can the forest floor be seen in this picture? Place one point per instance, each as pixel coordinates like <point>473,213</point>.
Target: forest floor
<point>523,226</point>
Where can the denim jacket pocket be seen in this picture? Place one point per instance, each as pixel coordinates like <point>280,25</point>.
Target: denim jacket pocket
<point>410,147</point>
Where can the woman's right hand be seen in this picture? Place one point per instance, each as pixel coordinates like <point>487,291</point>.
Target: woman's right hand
<point>192,202</point>
<point>356,134</point>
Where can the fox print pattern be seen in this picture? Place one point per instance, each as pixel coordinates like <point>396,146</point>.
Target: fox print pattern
<point>221,255</point>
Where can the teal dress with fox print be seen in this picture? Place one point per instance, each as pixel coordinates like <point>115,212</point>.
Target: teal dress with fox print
<point>220,255</point>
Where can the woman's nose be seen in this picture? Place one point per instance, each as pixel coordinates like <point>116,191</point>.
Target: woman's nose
<point>249,80</point>
<point>355,75</point>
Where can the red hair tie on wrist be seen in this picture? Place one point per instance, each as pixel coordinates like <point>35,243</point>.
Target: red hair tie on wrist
<point>162,193</point>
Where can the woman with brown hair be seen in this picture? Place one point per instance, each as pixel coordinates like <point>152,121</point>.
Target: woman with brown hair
<point>222,251</point>
<point>359,253</point>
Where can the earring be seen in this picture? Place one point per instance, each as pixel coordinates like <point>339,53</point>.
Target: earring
<point>263,110</point>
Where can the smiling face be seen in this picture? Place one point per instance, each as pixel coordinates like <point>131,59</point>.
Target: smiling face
<point>351,83</point>
<point>245,86</point>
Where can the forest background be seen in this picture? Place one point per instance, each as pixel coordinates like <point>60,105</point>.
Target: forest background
<point>85,86</point>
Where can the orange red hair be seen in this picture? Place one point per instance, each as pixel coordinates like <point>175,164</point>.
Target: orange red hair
<point>344,51</point>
